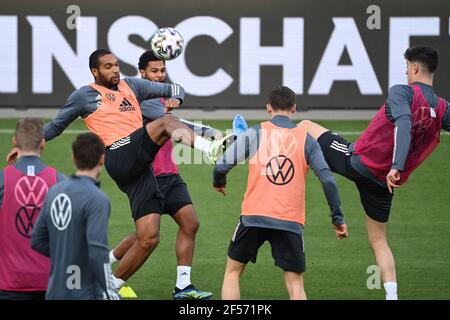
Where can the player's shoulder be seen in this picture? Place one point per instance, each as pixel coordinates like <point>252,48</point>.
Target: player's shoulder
<point>60,176</point>
<point>135,82</point>
<point>401,89</point>
<point>55,189</point>
<point>94,192</point>
<point>84,89</point>
<point>82,93</point>
<point>399,93</point>
<point>98,200</point>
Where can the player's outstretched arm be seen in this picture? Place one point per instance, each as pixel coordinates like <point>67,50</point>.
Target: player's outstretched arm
<point>146,89</point>
<point>77,105</point>
<point>315,159</point>
<point>244,147</point>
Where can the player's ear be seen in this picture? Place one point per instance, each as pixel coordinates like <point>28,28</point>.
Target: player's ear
<point>42,144</point>
<point>142,72</point>
<point>294,108</point>
<point>94,72</point>
<point>269,108</point>
<point>416,68</point>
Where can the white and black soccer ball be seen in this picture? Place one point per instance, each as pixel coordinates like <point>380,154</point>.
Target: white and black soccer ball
<point>167,43</point>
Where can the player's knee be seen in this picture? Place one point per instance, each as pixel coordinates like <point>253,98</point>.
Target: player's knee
<point>377,240</point>
<point>155,128</point>
<point>194,225</point>
<point>168,119</point>
<point>190,227</point>
<point>149,242</point>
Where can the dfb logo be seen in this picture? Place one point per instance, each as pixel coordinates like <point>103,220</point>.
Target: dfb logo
<point>111,97</point>
<point>61,211</point>
<point>280,170</point>
<point>30,191</point>
<point>25,220</point>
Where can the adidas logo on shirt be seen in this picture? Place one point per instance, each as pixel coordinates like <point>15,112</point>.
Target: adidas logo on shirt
<point>126,106</point>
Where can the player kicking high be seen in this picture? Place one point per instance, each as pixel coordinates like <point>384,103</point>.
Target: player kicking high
<point>177,202</point>
<point>403,133</point>
<point>110,108</point>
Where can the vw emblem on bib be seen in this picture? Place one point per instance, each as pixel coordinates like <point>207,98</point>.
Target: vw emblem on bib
<point>30,191</point>
<point>25,218</point>
<point>280,170</point>
<point>61,211</point>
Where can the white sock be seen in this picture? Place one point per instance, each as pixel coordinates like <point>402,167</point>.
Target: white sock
<point>118,283</point>
<point>112,257</point>
<point>183,277</point>
<point>391,290</point>
<point>201,144</point>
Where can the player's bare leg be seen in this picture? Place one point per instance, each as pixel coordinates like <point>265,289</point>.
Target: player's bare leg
<point>294,285</point>
<point>377,235</point>
<point>187,220</point>
<point>147,239</point>
<point>314,129</point>
<point>119,251</point>
<point>188,223</point>
<point>230,288</point>
<point>169,127</point>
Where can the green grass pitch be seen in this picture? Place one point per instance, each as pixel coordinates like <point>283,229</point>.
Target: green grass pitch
<point>419,231</point>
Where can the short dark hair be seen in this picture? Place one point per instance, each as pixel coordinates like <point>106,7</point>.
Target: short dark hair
<point>95,56</point>
<point>146,57</point>
<point>87,150</point>
<point>29,134</point>
<point>424,55</point>
<point>281,98</point>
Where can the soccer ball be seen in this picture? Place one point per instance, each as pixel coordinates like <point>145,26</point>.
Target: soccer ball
<point>167,43</point>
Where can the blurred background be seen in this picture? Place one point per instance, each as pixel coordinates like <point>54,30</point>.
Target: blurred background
<point>336,55</point>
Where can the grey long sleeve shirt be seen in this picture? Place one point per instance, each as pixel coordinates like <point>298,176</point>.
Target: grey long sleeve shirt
<point>72,230</point>
<point>247,145</point>
<point>84,101</point>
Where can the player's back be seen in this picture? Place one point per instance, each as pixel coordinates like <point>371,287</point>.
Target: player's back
<point>68,206</point>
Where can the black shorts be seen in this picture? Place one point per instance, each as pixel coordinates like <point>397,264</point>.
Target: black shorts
<point>22,295</point>
<point>287,247</point>
<point>128,162</point>
<point>175,193</point>
<point>375,198</point>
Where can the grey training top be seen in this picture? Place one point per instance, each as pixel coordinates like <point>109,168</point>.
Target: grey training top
<point>86,100</point>
<point>22,165</point>
<point>247,144</point>
<point>72,230</point>
<point>398,110</point>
